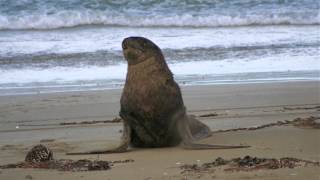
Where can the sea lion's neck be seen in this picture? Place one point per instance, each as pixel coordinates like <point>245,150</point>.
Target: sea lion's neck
<point>144,64</point>
<point>148,66</point>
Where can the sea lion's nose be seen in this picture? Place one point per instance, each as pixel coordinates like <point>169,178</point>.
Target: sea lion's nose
<point>124,44</point>
<point>131,41</point>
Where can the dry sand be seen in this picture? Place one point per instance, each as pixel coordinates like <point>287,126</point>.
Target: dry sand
<point>30,119</point>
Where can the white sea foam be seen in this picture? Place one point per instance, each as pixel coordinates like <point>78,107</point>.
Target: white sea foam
<point>76,18</point>
<point>60,74</point>
<point>70,74</point>
<point>95,39</point>
<point>267,64</point>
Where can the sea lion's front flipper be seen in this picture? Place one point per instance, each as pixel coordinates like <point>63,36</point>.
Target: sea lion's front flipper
<point>123,147</point>
<point>191,130</point>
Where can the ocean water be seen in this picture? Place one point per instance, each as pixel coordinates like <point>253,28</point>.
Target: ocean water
<point>74,45</point>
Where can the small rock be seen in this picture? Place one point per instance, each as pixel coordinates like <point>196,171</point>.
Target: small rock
<point>39,153</point>
<point>28,177</point>
<point>46,140</point>
<point>220,161</point>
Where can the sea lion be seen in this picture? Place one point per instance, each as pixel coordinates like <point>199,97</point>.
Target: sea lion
<point>152,107</point>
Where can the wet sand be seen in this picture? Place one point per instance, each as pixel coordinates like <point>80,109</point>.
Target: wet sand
<point>56,120</point>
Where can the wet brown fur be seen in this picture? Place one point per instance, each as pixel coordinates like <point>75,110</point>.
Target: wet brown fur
<point>151,98</point>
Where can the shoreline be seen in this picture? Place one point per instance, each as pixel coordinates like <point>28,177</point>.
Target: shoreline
<point>182,84</point>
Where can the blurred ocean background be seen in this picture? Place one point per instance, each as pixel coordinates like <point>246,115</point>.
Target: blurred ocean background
<point>75,45</point>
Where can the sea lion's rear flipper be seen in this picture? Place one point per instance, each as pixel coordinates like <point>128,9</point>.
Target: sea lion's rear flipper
<point>198,129</point>
<point>191,130</point>
<point>123,147</point>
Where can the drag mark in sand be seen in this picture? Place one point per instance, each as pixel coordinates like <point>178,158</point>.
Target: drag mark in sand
<point>309,122</point>
<point>302,108</point>
<point>115,120</point>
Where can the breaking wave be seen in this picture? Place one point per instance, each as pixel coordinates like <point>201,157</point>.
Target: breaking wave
<point>46,14</point>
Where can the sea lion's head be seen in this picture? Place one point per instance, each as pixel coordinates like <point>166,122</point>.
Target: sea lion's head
<point>139,49</point>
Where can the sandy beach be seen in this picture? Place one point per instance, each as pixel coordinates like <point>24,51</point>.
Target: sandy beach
<point>248,69</point>
<point>58,120</point>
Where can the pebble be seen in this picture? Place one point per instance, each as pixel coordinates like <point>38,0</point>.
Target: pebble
<point>28,177</point>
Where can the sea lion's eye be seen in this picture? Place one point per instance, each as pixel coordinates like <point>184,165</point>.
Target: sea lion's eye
<point>144,44</point>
